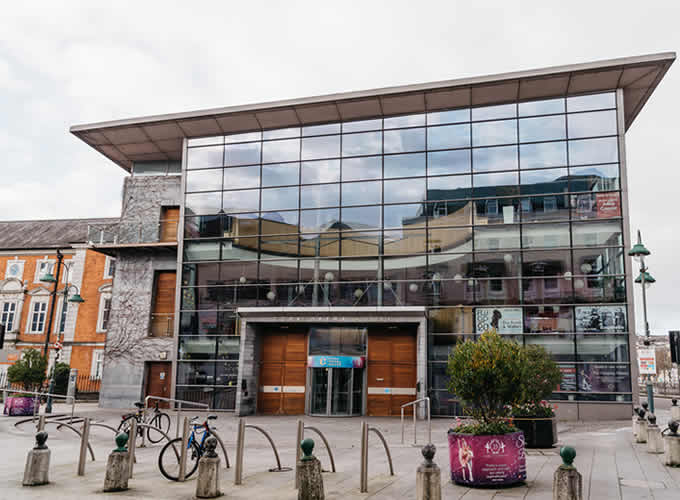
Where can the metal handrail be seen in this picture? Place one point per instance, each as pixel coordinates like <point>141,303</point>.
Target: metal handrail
<point>179,408</point>
<point>429,421</point>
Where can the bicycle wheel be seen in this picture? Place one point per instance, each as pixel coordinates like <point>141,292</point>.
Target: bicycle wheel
<point>159,421</point>
<point>124,426</point>
<point>168,460</point>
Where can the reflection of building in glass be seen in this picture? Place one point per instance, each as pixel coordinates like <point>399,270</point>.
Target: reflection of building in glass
<point>417,216</point>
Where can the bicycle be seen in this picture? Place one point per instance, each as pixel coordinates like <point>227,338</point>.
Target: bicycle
<point>168,461</point>
<point>159,420</point>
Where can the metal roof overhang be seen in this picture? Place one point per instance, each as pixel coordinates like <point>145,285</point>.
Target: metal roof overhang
<point>159,137</point>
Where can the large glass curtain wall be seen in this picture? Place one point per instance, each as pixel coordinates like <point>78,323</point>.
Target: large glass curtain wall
<point>510,211</point>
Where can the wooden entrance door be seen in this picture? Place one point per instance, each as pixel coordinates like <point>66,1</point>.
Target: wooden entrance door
<point>158,377</point>
<point>169,223</point>
<point>391,372</point>
<point>283,373</point>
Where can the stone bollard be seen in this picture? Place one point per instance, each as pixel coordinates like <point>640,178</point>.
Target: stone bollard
<point>654,441</point>
<point>567,481</point>
<point>428,476</point>
<point>37,467</point>
<point>309,470</point>
<point>635,419</point>
<point>641,436</point>
<point>671,455</point>
<point>208,483</point>
<point>118,466</point>
<point>675,410</point>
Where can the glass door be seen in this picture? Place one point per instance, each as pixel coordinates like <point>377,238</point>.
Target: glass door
<point>340,391</point>
<point>319,403</point>
<point>336,391</point>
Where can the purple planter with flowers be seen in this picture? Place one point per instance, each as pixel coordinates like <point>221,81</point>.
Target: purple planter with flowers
<point>19,406</point>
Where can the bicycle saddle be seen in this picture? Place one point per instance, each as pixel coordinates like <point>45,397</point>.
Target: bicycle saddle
<point>212,417</point>
<point>139,404</point>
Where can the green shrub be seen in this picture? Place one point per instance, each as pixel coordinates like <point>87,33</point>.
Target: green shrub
<point>29,371</point>
<point>61,374</point>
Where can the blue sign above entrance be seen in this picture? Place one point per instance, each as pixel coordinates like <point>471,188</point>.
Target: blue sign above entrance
<point>335,361</point>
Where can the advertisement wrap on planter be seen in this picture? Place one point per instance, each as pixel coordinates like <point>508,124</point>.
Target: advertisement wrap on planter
<point>19,406</point>
<point>487,460</point>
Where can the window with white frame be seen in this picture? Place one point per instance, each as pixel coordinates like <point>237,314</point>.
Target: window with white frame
<point>8,315</point>
<point>110,267</point>
<point>38,315</point>
<point>104,313</point>
<point>42,267</point>
<point>14,269</point>
<point>97,364</point>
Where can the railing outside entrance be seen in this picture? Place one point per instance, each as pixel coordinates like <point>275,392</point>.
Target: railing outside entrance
<point>415,407</point>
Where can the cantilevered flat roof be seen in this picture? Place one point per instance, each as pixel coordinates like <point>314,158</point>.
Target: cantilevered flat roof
<point>159,137</point>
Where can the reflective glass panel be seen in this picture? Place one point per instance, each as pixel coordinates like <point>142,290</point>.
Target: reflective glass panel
<point>204,250</point>
<point>359,270</point>
<point>560,347</point>
<point>205,141</point>
<point>404,190</point>
<point>404,121</point>
<point>449,162</point>
<point>356,169</point>
<point>606,348</point>
<point>600,233</point>
<point>585,151</point>
<point>246,137</point>
<point>280,174</point>
<point>450,187</point>
<point>410,267</point>
<point>241,201</point>
<point>211,156</point>
<point>545,235</point>
<point>448,136</point>
<point>320,171</point>
<point>242,177</point>
<point>596,178</point>
<point>361,218</point>
<point>494,112</point>
<point>362,125</point>
<point>196,373</point>
<point>496,265</point>
<point>544,154</point>
<point>242,154</point>
<point>361,193</point>
<point>599,261</point>
<point>452,116</point>
<point>552,180</point>
<point>547,290</point>
<point>496,158</point>
<point>281,133</point>
<point>593,101</point>
<point>321,147</point>
<point>544,128</point>
<point>316,221</point>
<point>592,124</point>
<point>449,266</point>
<point>204,180</point>
<point>497,211</point>
<point>279,271</point>
<point>404,242</point>
<point>404,216</point>
<point>280,198</point>
<point>359,244</point>
<point>280,222</point>
<point>240,224</point>
<point>546,263</point>
<point>280,151</point>
<point>450,239</point>
<point>544,319</point>
<point>491,133</point>
<point>504,183</point>
<point>546,107</point>
<point>330,128</point>
<point>203,203</point>
<point>405,165</point>
<point>545,208</point>
<point>366,143</point>
<point>402,141</point>
<point>496,237</point>
<point>324,195</point>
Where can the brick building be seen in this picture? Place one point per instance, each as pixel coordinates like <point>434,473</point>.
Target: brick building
<point>28,250</point>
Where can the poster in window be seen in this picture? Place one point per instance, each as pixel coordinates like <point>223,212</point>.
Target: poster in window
<point>505,320</point>
<point>568,383</point>
<point>603,378</point>
<point>607,205</point>
<point>609,319</point>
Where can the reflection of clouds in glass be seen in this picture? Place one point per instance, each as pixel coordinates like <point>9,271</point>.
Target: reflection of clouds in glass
<point>449,136</point>
<point>450,183</point>
<point>281,133</point>
<point>597,233</point>
<point>494,112</point>
<point>330,128</point>
<point>361,217</point>
<point>314,221</point>
<point>496,180</point>
<point>321,147</point>
<point>242,154</point>
<point>211,156</point>
<point>241,201</point>
<point>405,165</point>
<point>361,125</point>
<point>544,128</point>
<point>489,133</point>
<point>496,237</point>
<point>277,151</point>
<point>327,195</point>
<point>242,177</point>
<point>608,176</point>
<point>246,137</point>
<point>280,198</point>
<point>356,169</point>
<point>545,235</point>
<point>547,154</point>
<point>448,162</point>
<point>204,180</point>
<point>586,151</point>
<point>361,193</point>
<point>453,116</point>
<point>203,203</point>
<point>403,215</point>
<point>367,143</point>
<point>401,141</point>
<point>405,121</point>
<point>592,124</point>
<point>498,158</point>
<point>320,171</point>
<point>404,190</point>
<point>546,176</point>
<point>546,107</point>
<point>289,218</point>
<point>593,101</point>
<point>280,174</point>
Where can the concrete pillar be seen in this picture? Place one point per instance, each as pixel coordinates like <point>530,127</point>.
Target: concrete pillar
<point>37,467</point>
<point>71,390</point>
<point>642,431</point>
<point>675,410</point>
<point>118,466</point>
<point>428,476</point>
<point>208,483</point>
<point>671,455</point>
<point>567,481</point>
<point>654,441</point>
<point>309,470</point>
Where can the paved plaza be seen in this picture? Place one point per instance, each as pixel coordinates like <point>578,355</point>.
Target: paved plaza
<point>611,465</point>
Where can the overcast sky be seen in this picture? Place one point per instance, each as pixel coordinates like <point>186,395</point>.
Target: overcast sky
<point>64,63</point>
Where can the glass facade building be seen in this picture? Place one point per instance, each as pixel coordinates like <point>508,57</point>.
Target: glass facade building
<point>506,215</point>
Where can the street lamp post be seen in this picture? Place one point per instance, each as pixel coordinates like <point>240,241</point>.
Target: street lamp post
<point>639,252</point>
<point>48,278</point>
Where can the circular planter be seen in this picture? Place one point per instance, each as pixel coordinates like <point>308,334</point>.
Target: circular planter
<point>487,460</point>
<point>538,432</point>
<point>19,406</point>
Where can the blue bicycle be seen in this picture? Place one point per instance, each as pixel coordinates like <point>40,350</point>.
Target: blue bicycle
<point>168,460</point>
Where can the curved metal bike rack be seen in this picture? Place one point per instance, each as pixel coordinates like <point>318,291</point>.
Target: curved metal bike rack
<point>240,443</point>
<point>365,429</point>
<point>271,442</point>
<point>32,419</point>
<point>325,442</point>
<point>387,450</point>
<point>69,426</point>
<point>93,424</point>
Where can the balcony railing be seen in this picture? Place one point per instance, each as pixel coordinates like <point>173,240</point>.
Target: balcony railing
<point>133,232</point>
<point>162,325</point>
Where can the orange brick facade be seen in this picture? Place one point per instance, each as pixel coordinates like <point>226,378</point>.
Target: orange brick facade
<point>80,329</point>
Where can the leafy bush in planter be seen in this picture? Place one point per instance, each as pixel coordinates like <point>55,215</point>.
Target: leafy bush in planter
<point>540,378</point>
<point>487,375</point>
<point>61,374</point>
<point>540,409</point>
<point>29,371</point>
